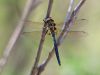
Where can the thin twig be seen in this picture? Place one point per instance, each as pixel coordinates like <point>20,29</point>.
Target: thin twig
<point>69,12</point>
<point>66,28</point>
<point>75,12</point>
<point>69,23</point>
<point>30,5</point>
<point>34,69</point>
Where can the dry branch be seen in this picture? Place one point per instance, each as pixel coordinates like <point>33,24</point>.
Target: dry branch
<point>68,21</point>
<point>35,67</point>
<point>30,5</point>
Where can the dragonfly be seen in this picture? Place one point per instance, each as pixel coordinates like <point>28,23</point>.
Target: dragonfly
<point>77,27</point>
<point>32,27</point>
<point>52,27</point>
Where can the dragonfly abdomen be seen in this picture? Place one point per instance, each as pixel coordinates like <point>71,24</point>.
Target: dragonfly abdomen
<point>56,49</point>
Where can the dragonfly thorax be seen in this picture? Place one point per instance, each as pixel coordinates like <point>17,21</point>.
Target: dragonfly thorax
<point>50,24</point>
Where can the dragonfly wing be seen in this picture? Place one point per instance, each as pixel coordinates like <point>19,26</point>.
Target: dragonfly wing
<point>77,29</point>
<point>56,48</point>
<point>33,26</point>
<point>77,25</point>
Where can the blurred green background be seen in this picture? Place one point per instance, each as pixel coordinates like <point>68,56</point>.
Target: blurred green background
<point>79,54</point>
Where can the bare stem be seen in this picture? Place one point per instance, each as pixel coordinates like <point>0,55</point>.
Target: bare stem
<point>65,30</point>
<point>69,22</point>
<point>35,67</point>
<point>30,5</point>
